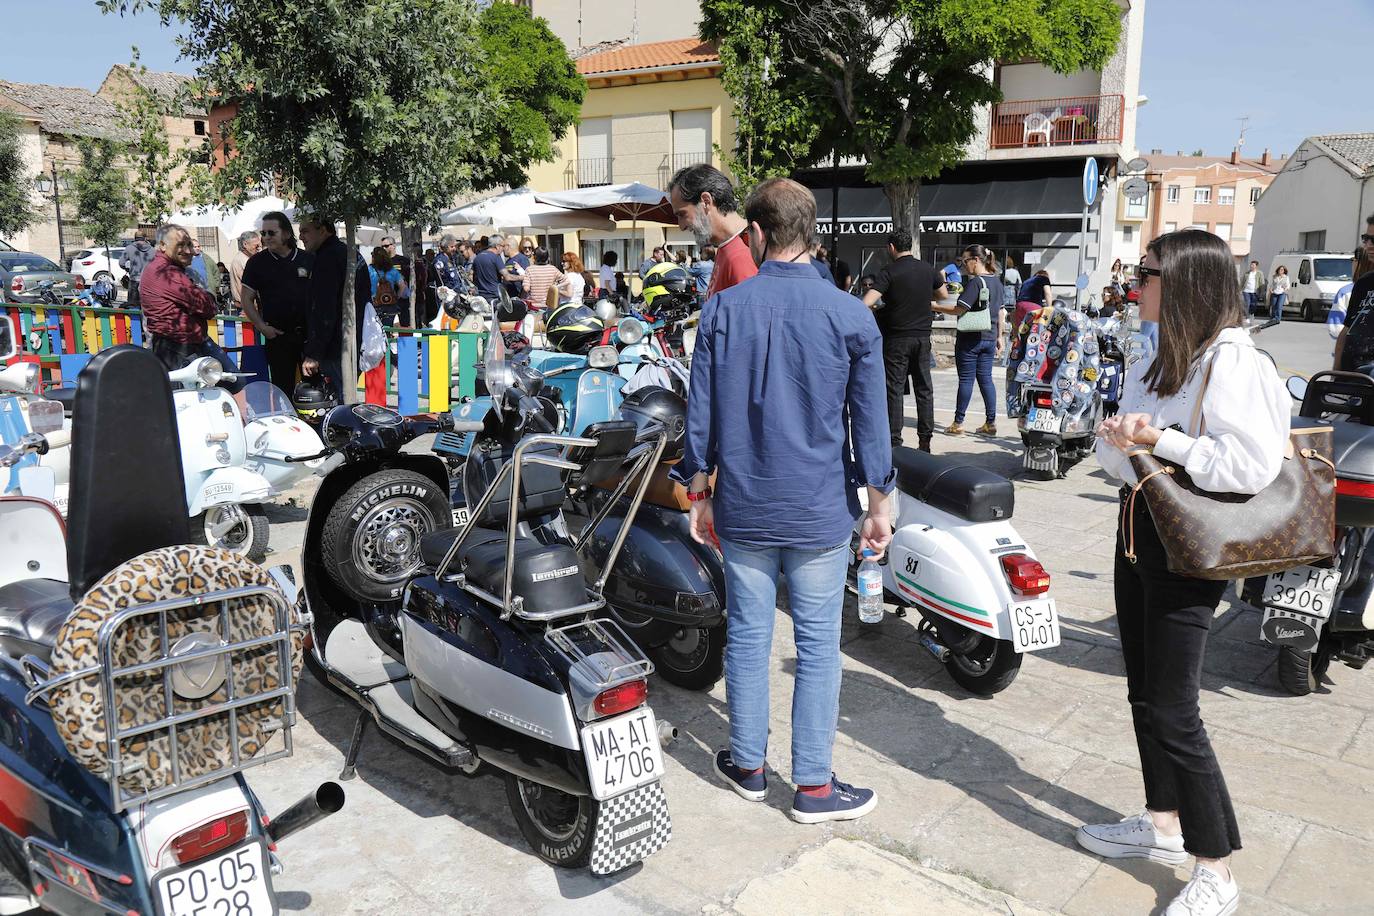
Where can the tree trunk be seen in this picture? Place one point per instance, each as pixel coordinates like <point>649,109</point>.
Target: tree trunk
<point>348,359</point>
<point>904,197</point>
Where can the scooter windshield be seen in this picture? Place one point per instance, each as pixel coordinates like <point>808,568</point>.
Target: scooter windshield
<point>263,399</point>
<point>499,373</point>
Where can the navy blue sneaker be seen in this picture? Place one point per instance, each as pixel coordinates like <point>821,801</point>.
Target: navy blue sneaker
<point>750,786</point>
<point>844,803</point>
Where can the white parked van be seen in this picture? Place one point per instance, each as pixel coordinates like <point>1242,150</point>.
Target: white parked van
<point>1316,276</point>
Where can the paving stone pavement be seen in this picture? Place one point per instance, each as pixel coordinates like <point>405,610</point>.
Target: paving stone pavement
<point>979,796</point>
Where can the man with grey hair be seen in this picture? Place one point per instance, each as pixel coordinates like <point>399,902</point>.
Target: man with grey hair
<point>175,308</point>
<point>704,203</point>
<point>487,268</point>
<point>249,244</point>
<point>446,263</point>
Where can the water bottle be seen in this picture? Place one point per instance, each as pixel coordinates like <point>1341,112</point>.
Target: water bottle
<point>870,590</point>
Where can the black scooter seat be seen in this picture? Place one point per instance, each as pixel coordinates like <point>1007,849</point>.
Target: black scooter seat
<point>66,396</point>
<point>547,576</point>
<point>31,612</point>
<point>971,493</point>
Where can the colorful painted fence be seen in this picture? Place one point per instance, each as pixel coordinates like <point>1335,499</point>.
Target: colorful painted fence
<point>429,365</point>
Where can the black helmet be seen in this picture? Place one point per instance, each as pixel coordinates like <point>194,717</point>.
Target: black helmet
<point>313,398</point>
<point>652,404</point>
<point>573,328</point>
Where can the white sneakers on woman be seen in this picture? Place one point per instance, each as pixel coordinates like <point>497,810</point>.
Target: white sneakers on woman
<point>1133,838</point>
<point>1205,894</point>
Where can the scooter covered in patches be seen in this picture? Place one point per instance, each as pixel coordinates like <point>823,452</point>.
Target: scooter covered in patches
<point>493,653</point>
<point>955,557</point>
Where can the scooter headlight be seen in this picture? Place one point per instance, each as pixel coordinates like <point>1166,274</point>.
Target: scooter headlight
<point>209,372</point>
<point>630,331</point>
<point>603,357</point>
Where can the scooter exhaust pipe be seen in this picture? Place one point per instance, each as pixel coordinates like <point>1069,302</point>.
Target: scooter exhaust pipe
<point>667,732</point>
<point>316,806</point>
<point>934,647</point>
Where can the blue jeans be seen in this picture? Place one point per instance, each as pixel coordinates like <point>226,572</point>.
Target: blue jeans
<point>815,589</point>
<point>1251,302</point>
<point>1276,303</point>
<point>973,359</point>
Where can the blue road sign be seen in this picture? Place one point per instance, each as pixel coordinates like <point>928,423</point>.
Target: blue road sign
<point>1089,181</point>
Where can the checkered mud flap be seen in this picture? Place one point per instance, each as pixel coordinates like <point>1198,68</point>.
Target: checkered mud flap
<point>1282,627</point>
<point>629,828</point>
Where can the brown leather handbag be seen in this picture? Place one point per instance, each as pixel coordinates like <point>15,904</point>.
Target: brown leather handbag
<point>1291,522</point>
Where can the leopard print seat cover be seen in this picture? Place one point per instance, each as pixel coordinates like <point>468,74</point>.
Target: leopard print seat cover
<point>202,745</point>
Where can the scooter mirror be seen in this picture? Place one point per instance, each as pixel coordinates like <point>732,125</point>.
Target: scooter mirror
<point>1297,387</point>
<point>8,345</point>
<point>45,416</point>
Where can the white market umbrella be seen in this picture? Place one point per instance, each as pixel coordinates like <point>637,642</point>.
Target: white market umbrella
<point>519,209</point>
<point>633,201</point>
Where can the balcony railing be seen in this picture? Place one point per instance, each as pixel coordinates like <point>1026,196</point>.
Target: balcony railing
<point>1057,122</point>
<point>590,172</point>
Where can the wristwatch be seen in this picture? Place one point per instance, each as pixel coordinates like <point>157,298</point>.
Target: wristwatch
<point>698,497</point>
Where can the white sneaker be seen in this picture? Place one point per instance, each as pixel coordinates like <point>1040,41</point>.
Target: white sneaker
<point>1206,894</point>
<point>1133,838</point>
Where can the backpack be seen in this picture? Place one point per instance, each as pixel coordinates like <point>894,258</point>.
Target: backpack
<point>385,296</point>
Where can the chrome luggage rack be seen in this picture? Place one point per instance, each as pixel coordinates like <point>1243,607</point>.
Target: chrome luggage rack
<point>640,459</point>
<point>625,662</point>
<point>38,675</point>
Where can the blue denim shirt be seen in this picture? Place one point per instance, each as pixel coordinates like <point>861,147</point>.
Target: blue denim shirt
<point>788,404</point>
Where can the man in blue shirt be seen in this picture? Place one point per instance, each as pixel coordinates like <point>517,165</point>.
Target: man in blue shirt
<point>788,407</point>
<point>445,264</point>
<point>487,268</point>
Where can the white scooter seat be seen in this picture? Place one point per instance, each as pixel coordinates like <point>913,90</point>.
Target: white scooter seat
<point>971,493</point>
<point>31,612</point>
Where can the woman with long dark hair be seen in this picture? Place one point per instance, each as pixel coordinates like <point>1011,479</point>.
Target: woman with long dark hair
<point>976,347</point>
<point>1188,285</point>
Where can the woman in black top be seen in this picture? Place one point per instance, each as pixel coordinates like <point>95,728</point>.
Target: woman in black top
<point>975,350</point>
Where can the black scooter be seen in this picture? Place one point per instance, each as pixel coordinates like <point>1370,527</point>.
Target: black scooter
<point>492,652</point>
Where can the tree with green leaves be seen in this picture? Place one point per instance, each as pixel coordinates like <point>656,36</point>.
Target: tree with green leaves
<point>900,82</point>
<point>372,108</point>
<point>17,211</point>
<point>149,151</point>
<point>102,190</point>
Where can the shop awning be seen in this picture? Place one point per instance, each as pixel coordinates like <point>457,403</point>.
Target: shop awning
<point>1056,197</point>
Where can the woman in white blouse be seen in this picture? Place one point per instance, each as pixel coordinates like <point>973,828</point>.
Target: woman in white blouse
<point>1187,284</point>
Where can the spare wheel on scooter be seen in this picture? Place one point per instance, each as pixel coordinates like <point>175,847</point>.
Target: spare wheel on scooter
<point>203,746</point>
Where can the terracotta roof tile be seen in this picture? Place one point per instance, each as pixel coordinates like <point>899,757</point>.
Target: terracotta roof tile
<point>679,51</point>
<point>67,110</point>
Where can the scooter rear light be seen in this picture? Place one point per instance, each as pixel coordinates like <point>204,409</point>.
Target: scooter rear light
<point>208,839</point>
<point>621,698</point>
<point>1026,576</point>
<point>73,875</point>
<point>1042,399</point>
<point>1354,488</point>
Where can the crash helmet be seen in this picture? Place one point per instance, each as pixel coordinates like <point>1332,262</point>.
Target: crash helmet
<point>313,398</point>
<point>573,328</point>
<point>663,283</point>
<point>652,404</point>
<point>607,311</point>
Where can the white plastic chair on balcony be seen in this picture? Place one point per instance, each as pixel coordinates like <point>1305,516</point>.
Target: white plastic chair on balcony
<point>1037,122</point>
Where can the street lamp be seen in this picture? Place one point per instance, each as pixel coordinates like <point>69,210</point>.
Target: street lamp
<point>55,185</point>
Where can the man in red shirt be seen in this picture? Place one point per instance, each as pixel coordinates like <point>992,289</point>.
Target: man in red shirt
<point>175,309</point>
<point>704,203</point>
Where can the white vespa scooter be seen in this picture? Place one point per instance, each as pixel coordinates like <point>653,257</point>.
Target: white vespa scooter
<point>237,452</point>
<point>23,410</point>
<point>955,557</point>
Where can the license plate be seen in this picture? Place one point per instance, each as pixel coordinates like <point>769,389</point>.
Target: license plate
<point>460,517</point>
<point>1034,625</point>
<point>622,753</point>
<point>235,882</point>
<point>1305,589</point>
<point>1045,421</point>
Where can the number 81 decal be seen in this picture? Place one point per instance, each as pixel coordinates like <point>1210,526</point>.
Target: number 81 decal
<point>912,565</point>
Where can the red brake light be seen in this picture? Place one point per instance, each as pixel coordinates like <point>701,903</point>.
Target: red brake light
<point>621,698</point>
<point>87,263</point>
<point>1043,399</point>
<point>1354,488</point>
<point>1026,576</point>
<point>208,839</point>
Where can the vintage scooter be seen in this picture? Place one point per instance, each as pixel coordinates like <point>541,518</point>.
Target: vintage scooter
<point>23,411</point>
<point>112,802</point>
<point>493,655</point>
<point>955,557</point>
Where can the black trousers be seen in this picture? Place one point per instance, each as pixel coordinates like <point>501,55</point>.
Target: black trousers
<point>903,358</point>
<point>1164,620</point>
<point>284,358</point>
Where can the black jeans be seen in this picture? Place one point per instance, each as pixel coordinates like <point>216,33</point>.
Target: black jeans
<point>905,357</point>
<point>1164,619</point>
<point>284,358</point>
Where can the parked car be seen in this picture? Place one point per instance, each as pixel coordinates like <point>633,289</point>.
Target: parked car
<point>1316,277</point>
<point>20,270</point>
<point>92,264</point>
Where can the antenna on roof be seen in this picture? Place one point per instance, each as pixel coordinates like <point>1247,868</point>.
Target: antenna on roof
<point>1244,126</point>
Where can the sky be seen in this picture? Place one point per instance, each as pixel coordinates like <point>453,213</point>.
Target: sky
<point>1293,68</point>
